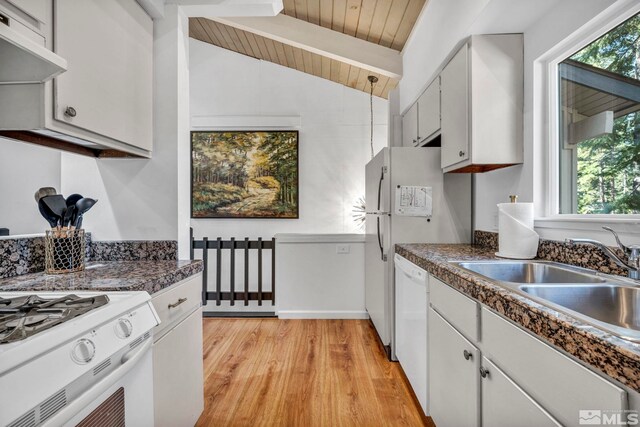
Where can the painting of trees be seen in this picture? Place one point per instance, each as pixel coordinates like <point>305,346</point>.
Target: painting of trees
<point>608,169</point>
<point>244,174</point>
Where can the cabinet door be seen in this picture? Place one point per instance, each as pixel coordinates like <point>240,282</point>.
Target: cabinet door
<point>36,9</point>
<point>109,83</point>
<point>505,403</point>
<point>178,393</point>
<point>429,111</point>
<point>454,84</point>
<point>410,127</point>
<point>454,378</point>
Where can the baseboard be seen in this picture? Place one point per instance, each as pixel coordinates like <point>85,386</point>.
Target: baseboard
<point>231,314</point>
<point>308,314</point>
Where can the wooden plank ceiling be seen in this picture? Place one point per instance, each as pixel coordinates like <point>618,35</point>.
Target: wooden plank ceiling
<point>384,22</point>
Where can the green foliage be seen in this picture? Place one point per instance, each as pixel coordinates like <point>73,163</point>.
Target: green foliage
<point>608,166</point>
<point>208,197</point>
<point>245,174</point>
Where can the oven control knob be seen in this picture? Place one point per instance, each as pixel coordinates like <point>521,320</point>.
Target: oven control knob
<point>124,328</point>
<point>83,351</point>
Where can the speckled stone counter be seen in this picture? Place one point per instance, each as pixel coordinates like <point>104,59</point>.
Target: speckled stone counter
<point>613,356</point>
<point>150,276</point>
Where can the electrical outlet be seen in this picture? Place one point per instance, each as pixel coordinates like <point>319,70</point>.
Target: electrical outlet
<point>343,249</point>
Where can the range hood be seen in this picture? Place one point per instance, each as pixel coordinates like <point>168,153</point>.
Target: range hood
<point>25,61</point>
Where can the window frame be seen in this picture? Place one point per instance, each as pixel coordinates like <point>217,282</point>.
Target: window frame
<point>546,81</point>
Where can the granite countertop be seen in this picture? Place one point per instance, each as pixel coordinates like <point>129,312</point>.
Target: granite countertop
<point>150,276</point>
<point>611,355</point>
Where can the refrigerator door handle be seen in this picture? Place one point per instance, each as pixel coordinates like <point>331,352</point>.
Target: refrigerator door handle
<point>380,185</point>
<point>382,255</point>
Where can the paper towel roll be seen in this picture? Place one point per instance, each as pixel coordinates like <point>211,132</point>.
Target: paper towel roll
<point>516,236</point>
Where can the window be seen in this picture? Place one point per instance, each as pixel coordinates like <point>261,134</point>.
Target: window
<point>599,125</point>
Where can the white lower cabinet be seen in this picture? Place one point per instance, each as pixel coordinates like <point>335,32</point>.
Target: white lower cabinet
<point>454,380</point>
<point>485,370</point>
<point>505,403</point>
<point>177,374</point>
<point>178,389</point>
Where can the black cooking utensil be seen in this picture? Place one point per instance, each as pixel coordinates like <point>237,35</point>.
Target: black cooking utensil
<point>82,206</point>
<point>51,218</point>
<point>56,204</point>
<point>73,199</point>
<point>68,214</point>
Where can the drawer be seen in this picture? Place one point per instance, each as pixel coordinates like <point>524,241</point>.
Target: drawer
<point>176,302</point>
<point>558,383</point>
<point>459,310</point>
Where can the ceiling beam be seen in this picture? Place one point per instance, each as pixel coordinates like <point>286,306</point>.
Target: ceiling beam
<point>322,41</point>
<point>211,8</point>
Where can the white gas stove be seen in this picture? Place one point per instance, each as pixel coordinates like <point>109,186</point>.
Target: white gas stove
<point>64,356</point>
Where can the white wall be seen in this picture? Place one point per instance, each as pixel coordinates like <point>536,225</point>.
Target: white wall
<point>445,23</point>
<point>142,199</point>
<point>315,282</point>
<point>333,144</point>
<point>23,169</point>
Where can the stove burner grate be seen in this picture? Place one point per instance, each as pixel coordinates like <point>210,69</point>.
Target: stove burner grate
<point>22,317</point>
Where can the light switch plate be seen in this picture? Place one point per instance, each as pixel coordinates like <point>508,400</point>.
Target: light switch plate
<point>343,249</point>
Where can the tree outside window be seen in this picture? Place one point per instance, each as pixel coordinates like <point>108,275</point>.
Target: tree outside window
<point>600,125</point>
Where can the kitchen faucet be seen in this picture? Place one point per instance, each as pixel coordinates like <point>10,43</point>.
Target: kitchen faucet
<point>632,253</point>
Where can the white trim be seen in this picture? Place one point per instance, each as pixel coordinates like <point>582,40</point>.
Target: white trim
<point>624,226</point>
<point>285,238</point>
<point>308,314</point>
<point>592,30</point>
<point>244,122</point>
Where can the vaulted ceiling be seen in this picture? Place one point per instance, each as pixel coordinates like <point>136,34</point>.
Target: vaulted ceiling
<point>386,23</point>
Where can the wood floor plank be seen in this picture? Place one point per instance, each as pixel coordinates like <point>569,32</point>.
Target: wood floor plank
<point>271,372</point>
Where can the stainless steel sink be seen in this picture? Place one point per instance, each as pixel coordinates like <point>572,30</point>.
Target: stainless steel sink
<point>613,304</point>
<point>528,272</point>
<point>607,302</point>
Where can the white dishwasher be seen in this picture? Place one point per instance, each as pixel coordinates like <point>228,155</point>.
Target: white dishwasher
<point>412,300</point>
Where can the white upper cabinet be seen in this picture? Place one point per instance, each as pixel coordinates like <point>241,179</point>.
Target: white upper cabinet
<point>108,87</point>
<point>421,122</point>
<point>410,127</point>
<point>455,109</point>
<point>482,103</point>
<point>102,105</point>
<point>429,112</point>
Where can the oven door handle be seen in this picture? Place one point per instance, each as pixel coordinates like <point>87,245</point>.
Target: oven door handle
<point>128,361</point>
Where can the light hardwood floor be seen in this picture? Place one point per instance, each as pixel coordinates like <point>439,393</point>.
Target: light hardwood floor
<point>271,372</point>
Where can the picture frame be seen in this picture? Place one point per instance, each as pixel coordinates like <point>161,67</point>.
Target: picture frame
<point>244,174</point>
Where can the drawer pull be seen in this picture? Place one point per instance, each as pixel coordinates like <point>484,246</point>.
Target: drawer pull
<point>70,112</point>
<point>467,355</point>
<point>177,303</point>
<point>484,373</point>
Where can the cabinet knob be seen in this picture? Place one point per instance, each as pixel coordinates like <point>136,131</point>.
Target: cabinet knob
<point>461,153</point>
<point>483,372</point>
<point>70,112</point>
<point>467,355</point>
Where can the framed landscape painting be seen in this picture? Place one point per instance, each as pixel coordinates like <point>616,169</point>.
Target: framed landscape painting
<point>244,174</point>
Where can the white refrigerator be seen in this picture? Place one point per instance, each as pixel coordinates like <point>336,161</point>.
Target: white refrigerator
<point>408,200</point>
